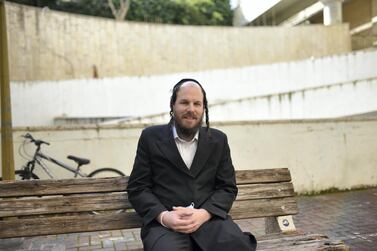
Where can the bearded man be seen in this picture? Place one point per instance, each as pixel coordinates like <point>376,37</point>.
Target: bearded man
<point>183,181</point>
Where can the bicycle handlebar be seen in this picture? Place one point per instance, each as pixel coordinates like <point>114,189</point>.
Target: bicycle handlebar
<point>37,142</point>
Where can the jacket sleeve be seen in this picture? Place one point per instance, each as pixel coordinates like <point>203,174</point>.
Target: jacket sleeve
<point>221,200</point>
<point>146,204</point>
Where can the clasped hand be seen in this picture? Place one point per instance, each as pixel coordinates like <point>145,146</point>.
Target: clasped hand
<point>185,220</point>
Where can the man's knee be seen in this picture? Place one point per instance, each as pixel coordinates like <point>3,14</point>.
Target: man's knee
<point>221,234</point>
<point>172,241</point>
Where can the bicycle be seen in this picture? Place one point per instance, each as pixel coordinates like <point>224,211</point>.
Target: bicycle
<point>27,171</point>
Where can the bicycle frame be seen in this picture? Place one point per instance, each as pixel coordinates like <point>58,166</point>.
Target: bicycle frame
<point>56,162</point>
<point>27,171</point>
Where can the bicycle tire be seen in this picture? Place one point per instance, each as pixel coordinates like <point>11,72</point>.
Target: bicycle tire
<point>21,172</point>
<point>106,172</point>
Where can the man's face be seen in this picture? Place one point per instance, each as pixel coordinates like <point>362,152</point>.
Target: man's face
<point>188,108</point>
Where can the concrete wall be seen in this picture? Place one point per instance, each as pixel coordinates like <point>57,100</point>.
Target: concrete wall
<point>321,154</point>
<point>335,86</point>
<point>50,45</point>
<point>328,101</point>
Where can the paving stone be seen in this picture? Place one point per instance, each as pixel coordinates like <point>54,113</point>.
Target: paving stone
<point>116,233</point>
<point>94,240</point>
<point>134,245</point>
<point>120,246</point>
<point>53,247</point>
<point>104,234</point>
<point>107,243</point>
<point>94,247</point>
<point>104,249</point>
<point>11,243</point>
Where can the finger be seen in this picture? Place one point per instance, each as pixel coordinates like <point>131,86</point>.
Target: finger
<point>186,229</point>
<point>183,223</point>
<point>183,213</point>
<point>183,210</point>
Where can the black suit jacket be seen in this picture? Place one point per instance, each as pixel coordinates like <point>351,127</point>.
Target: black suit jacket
<point>161,180</point>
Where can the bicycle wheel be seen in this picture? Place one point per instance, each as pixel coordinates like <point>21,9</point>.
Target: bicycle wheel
<point>24,175</point>
<point>106,172</point>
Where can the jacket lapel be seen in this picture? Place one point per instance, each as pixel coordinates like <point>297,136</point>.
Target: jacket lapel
<point>204,150</point>
<point>169,149</point>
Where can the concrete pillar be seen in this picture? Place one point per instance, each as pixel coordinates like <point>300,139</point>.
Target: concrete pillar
<point>332,11</point>
<point>238,16</point>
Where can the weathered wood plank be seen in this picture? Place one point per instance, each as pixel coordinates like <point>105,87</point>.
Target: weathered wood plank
<point>264,191</point>
<point>68,224</point>
<point>263,176</point>
<point>64,186</point>
<point>63,204</point>
<point>87,185</point>
<point>313,245</point>
<point>92,202</point>
<point>99,202</point>
<point>246,209</point>
<point>290,236</point>
<point>299,242</point>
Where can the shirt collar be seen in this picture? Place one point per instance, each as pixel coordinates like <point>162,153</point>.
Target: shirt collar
<point>175,135</point>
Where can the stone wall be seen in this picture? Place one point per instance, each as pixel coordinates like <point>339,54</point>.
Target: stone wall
<point>51,45</point>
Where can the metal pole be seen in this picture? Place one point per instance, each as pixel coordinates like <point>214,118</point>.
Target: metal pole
<point>6,111</point>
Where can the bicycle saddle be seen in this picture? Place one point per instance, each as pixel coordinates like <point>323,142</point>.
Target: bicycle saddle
<point>79,161</point>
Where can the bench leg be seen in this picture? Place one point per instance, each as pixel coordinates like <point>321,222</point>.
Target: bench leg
<point>271,225</point>
<point>280,224</point>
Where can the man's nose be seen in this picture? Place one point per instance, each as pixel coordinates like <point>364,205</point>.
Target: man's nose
<point>190,107</point>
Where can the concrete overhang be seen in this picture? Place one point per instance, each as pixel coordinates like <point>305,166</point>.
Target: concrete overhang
<point>282,11</point>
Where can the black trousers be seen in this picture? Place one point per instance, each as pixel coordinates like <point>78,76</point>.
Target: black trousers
<point>176,242</point>
<point>214,235</point>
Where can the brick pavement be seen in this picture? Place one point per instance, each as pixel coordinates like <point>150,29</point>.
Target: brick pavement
<point>350,216</point>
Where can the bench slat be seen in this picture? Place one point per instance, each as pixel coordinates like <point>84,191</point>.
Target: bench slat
<point>68,224</point>
<point>87,185</point>
<point>246,209</point>
<point>263,176</point>
<point>299,242</point>
<point>63,204</point>
<point>91,202</point>
<point>264,191</point>
<point>65,186</point>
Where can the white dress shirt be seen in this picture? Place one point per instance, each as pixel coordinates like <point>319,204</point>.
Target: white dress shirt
<point>187,149</point>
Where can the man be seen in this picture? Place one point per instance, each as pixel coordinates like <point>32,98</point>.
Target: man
<point>183,181</point>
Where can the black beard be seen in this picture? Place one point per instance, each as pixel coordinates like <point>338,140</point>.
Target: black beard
<point>186,133</point>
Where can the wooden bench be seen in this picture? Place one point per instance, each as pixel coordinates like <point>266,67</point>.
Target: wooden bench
<point>43,207</point>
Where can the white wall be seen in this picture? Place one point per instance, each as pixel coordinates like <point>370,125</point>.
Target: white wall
<point>328,101</point>
<point>315,88</point>
<point>321,154</point>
